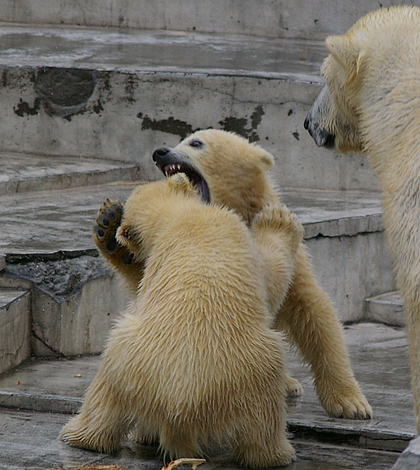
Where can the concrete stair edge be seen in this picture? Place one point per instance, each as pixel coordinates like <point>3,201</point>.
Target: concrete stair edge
<point>14,327</point>
<point>123,103</point>
<point>386,308</point>
<point>28,173</point>
<point>264,18</point>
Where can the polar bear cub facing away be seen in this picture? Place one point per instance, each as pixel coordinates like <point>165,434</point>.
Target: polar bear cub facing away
<point>193,361</point>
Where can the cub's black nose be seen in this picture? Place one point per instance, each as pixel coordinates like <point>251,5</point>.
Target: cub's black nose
<point>160,153</point>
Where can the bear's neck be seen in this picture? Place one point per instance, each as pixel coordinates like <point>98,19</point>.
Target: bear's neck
<point>392,133</point>
<point>389,105</point>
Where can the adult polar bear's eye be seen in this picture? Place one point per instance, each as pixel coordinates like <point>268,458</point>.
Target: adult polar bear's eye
<point>196,143</point>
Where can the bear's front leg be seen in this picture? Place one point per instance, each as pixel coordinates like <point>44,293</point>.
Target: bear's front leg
<point>310,320</point>
<point>108,219</point>
<point>278,234</point>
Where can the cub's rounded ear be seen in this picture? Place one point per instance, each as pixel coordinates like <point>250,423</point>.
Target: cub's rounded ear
<point>267,159</point>
<point>343,50</point>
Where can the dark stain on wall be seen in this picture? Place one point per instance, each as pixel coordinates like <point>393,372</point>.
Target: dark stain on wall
<point>183,129</point>
<point>23,108</point>
<point>97,107</point>
<point>239,125</point>
<point>64,92</point>
<point>169,126</point>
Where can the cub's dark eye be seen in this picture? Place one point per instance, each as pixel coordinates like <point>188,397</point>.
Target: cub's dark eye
<point>196,143</point>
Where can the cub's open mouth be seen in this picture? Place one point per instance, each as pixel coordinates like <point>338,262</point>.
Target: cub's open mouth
<point>170,163</point>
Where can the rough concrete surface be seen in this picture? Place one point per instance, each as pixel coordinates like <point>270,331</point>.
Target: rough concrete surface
<point>28,440</point>
<point>410,459</point>
<point>119,94</point>
<point>60,280</point>
<point>53,221</point>
<point>278,18</point>
<point>14,327</point>
<point>74,303</point>
<point>343,231</point>
<point>24,173</point>
<point>386,308</point>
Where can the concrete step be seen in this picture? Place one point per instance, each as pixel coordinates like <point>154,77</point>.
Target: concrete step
<point>343,230</point>
<point>47,242</point>
<point>380,363</point>
<point>25,173</point>
<point>386,308</point>
<point>75,298</point>
<point>15,327</point>
<point>119,94</point>
<point>273,18</point>
<point>56,223</point>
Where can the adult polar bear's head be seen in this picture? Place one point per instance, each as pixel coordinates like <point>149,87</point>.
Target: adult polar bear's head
<point>363,67</point>
<point>225,169</point>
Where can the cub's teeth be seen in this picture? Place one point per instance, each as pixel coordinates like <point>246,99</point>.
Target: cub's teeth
<point>172,169</point>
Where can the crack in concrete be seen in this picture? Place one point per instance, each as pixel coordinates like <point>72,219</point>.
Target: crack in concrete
<point>53,350</point>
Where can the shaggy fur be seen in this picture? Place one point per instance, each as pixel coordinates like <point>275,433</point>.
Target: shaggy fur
<point>371,104</point>
<point>194,360</point>
<point>237,175</point>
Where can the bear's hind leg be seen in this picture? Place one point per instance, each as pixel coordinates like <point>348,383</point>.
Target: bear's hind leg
<point>102,420</point>
<point>264,444</point>
<point>258,436</point>
<point>180,441</point>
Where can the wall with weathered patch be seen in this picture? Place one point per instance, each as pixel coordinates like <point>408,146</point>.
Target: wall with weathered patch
<point>125,116</point>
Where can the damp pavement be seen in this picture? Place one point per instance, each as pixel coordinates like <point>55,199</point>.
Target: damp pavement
<point>38,397</point>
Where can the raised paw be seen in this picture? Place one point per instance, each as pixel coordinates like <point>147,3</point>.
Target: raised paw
<point>277,217</point>
<point>108,219</point>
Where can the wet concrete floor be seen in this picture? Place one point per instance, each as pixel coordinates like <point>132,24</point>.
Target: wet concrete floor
<point>28,439</point>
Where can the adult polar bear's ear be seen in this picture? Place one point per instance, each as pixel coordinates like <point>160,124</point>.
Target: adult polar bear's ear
<point>346,52</point>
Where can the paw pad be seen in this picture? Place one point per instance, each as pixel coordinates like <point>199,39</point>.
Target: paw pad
<point>108,219</point>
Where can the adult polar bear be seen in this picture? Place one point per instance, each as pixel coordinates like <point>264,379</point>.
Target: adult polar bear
<point>371,104</point>
<point>230,171</point>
